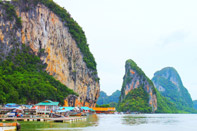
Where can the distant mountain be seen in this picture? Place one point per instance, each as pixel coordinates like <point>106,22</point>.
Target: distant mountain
<point>195,104</point>
<point>169,84</point>
<point>138,93</point>
<point>105,99</point>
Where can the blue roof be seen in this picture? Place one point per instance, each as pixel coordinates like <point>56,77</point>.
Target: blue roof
<point>11,104</point>
<point>48,103</point>
<point>87,108</point>
<point>66,108</point>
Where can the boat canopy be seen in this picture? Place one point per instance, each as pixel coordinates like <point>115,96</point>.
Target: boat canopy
<point>67,108</point>
<point>87,108</point>
<point>75,108</point>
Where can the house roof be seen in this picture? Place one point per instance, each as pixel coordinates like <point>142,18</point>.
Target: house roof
<point>48,103</point>
<point>66,108</point>
<point>12,105</point>
<point>87,108</point>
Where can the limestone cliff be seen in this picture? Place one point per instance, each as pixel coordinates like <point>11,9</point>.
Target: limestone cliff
<point>44,31</point>
<point>135,79</point>
<point>169,84</point>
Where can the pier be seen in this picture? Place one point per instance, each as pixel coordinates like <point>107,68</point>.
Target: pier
<point>63,119</point>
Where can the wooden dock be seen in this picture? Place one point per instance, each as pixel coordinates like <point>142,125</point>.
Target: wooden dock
<point>61,119</point>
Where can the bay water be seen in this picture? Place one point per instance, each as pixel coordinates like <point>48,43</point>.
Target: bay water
<point>112,122</point>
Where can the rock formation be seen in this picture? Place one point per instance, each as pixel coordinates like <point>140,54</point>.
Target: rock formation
<point>135,78</point>
<point>169,84</point>
<point>44,31</point>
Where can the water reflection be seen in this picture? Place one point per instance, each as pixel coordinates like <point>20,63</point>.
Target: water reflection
<point>134,120</point>
<point>139,122</point>
<point>92,120</point>
<point>149,119</point>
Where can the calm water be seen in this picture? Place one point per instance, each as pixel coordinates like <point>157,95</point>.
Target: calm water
<point>142,122</point>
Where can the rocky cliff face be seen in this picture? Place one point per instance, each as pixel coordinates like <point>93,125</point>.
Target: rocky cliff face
<point>135,78</point>
<point>44,31</point>
<point>169,84</point>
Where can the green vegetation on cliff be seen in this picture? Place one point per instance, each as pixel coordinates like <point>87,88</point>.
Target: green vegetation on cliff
<point>111,100</point>
<point>169,83</point>
<point>23,79</point>
<point>10,13</point>
<point>164,105</point>
<point>136,101</point>
<point>195,104</point>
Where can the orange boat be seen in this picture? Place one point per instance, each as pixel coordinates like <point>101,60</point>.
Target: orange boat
<point>9,126</point>
<point>104,110</point>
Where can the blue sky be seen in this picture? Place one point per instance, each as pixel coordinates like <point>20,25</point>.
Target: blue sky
<point>154,33</point>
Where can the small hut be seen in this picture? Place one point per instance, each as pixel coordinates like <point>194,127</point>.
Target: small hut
<point>46,106</point>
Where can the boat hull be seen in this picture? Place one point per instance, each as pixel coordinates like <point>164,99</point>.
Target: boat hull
<point>76,114</point>
<point>9,126</point>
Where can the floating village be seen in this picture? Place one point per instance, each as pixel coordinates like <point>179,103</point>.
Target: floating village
<point>45,111</point>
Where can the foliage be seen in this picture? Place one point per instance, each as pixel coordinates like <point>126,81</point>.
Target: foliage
<point>139,98</point>
<point>164,105</point>
<point>23,79</point>
<point>113,104</point>
<point>104,105</point>
<point>104,99</point>
<point>176,93</point>
<point>136,101</point>
<point>195,104</point>
<point>11,13</point>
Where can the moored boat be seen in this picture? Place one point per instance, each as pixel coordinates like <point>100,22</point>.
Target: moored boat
<point>75,113</point>
<point>9,126</point>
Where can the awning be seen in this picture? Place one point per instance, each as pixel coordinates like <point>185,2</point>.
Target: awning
<point>87,108</point>
<point>66,108</point>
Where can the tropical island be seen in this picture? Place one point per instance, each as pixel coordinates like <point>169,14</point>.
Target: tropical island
<point>45,60</point>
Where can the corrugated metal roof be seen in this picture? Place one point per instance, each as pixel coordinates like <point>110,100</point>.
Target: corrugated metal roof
<point>66,108</point>
<point>48,103</point>
<point>11,104</point>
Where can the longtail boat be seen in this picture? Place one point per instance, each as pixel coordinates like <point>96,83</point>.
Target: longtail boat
<point>75,114</point>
